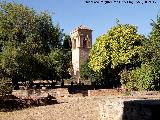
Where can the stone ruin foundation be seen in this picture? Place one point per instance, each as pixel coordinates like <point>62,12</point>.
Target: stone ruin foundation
<point>136,106</point>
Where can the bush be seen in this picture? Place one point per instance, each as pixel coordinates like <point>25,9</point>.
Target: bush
<point>5,86</point>
<point>126,81</point>
<point>87,73</point>
<point>142,78</point>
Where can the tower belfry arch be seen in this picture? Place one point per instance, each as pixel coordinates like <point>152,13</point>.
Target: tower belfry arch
<point>81,38</point>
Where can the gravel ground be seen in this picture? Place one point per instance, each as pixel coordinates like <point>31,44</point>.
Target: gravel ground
<point>74,108</point>
<point>70,108</point>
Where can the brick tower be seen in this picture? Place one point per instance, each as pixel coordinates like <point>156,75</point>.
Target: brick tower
<point>81,38</point>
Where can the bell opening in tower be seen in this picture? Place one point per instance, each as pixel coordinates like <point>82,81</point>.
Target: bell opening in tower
<point>84,43</point>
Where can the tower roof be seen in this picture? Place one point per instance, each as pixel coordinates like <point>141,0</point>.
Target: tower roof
<point>82,27</point>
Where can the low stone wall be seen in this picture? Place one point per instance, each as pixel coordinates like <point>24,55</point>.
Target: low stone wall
<point>105,92</point>
<point>145,93</point>
<point>32,93</point>
<point>129,108</point>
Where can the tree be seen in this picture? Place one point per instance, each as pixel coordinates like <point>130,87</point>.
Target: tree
<point>24,25</point>
<point>5,86</point>
<point>27,41</point>
<point>67,42</point>
<point>87,73</point>
<point>148,74</point>
<point>151,52</point>
<point>119,48</point>
<point>61,61</point>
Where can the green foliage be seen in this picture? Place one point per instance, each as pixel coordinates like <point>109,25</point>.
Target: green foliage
<point>67,42</point>
<point>120,45</point>
<point>151,52</point>
<point>119,48</point>
<point>30,45</point>
<point>27,28</point>
<point>87,73</point>
<point>145,77</point>
<point>7,61</point>
<point>148,75</point>
<point>62,61</point>
<point>139,79</point>
<point>99,54</point>
<point>5,86</point>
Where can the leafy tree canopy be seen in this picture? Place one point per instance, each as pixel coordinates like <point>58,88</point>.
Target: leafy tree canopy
<point>147,76</point>
<point>119,46</point>
<point>30,45</point>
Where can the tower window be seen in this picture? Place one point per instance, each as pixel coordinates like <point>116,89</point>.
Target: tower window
<point>84,42</point>
<point>74,44</point>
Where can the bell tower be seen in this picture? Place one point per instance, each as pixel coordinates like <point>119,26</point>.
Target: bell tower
<point>81,38</point>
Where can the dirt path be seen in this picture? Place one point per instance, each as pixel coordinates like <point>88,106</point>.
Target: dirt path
<point>69,109</point>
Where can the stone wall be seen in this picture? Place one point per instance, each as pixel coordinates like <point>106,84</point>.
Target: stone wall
<point>105,92</point>
<point>32,93</point>
<point>129,108</point>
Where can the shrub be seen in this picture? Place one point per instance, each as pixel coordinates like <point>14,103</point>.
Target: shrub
<point>5,86</point>
<point>142,78</point>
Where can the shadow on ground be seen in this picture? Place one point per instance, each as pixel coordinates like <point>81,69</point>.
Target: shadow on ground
<point>13,103</point>
<point>141,110</point>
